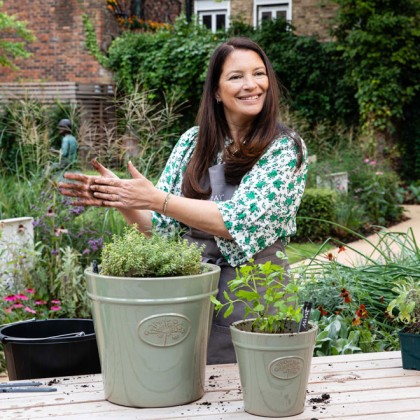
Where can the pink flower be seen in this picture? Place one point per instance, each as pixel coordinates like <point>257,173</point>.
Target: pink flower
<point>379,173</point>
<point>9,310</point>
<point>30,310</point>
<point>56,301</point>
<point>367,160</point>
<point>60,231</point>
<point>21,296</point>
<point>40,302</point>
<point>30,291</point>
<point>50,212</point>
<point>10,298</point>
<point>372,162</point>
<point>17,305</point>
<point>56,308</point>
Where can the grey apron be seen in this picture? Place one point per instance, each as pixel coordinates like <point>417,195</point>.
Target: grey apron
<point>220,347</point>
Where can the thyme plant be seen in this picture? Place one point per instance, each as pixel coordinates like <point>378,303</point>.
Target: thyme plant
<point>135,255</point>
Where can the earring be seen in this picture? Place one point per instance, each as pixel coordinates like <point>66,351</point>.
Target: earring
<point>218,100</point>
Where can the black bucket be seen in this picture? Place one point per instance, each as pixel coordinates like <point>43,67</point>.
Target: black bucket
<point>48,348</point>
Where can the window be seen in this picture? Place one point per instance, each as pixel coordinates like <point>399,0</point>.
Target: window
<point>271,9</point>
<point>213,14</point>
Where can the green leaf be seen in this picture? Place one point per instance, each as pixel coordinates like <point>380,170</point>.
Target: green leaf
<point>228,311</point>
<point>216,302</point>
<point>259,308</point>
<point>249,296</point>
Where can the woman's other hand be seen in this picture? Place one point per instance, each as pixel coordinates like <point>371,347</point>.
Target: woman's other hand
<point>80,187</point>
<point>137,193</point>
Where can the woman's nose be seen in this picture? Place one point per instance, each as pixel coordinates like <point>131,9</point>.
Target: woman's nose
<point>249,82</point>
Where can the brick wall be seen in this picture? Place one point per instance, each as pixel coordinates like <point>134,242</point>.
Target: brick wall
<point>243,10</point>
<point>163,10</point>
<point>309,17</point>
<point>313,17</point>
<point>59,53</point>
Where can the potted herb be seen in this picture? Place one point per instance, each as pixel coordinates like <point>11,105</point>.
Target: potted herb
<point>152,312</point>
<point>407,303</point>
<point>273,349</point>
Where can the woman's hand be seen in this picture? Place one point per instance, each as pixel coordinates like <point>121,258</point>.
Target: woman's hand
<point>137,193</point>
<point>81,188</point>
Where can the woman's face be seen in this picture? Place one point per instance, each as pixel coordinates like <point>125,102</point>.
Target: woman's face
<point>243,85</point>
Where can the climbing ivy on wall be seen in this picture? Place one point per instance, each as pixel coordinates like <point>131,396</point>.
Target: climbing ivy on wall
<point>16,46</point>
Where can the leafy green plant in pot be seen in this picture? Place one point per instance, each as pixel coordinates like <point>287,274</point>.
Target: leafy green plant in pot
<point>407,303</point>
<point>151,309</point>
<point>273,351</point>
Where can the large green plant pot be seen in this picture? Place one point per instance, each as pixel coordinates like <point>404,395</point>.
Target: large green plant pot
<point>152,336</point>
<point>410,350</point>
<point>273,368</point>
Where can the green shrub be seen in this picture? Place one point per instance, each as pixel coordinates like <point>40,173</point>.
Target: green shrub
<point>343,156</point>
<point>374,193</point>
<point>135,255</point>
<point>171,61</point>
<point>316,209</point>
<point>410,192</point>
<point>380,44</point>
<point>349,214</point>
<point>409,141</point>
<point>175,61</point>
<point>378,192</point>
<point>313,72</point>
<point>238,27</point>
<point>355,297</point>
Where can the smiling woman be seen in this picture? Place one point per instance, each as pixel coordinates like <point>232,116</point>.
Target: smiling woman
<point>233,183</point>
<point>242,88</point>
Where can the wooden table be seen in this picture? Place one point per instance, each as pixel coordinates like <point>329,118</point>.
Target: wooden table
<point>363,386</point>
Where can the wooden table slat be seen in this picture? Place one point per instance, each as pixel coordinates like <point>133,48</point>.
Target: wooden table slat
<point>362,386</point>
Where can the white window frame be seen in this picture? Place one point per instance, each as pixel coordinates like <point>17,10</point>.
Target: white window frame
<point>273,5</point>
<point>213,8</point>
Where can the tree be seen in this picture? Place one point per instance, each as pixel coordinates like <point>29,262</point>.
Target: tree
<point>381,41</point>
<point>14,35</point>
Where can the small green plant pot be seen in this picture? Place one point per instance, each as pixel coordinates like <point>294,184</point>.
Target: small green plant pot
<point>152,335</point>
<point>410,350</point>
<point>274,369</point>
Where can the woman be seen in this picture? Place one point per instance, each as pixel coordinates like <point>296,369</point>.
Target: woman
<point>235,181</point>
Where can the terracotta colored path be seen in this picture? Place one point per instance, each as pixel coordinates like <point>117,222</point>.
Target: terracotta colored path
<point>359,252</point>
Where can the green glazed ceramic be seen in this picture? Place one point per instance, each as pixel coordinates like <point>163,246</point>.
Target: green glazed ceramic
<point>152,336</point>
<point>273,368</point>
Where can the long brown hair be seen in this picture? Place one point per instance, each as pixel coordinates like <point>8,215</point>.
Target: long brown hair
<point>213,127</point>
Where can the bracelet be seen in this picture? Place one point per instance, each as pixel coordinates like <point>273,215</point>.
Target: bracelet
<point>165,203</point>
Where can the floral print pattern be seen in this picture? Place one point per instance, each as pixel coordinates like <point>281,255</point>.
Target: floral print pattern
<point>262,209</point>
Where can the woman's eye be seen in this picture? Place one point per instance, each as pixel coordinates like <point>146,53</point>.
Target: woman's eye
<point>260,73</point>
<point>235,77</point>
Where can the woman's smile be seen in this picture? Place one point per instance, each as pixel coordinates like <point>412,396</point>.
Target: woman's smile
<point>250,98</point>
